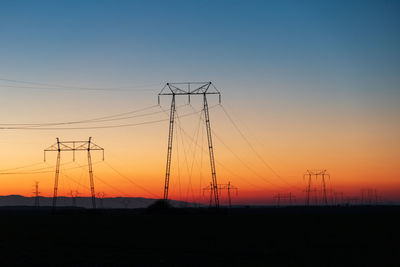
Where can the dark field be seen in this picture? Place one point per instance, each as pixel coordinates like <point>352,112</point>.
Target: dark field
<point>296,236</point>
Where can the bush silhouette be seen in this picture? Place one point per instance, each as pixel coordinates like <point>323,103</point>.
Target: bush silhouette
<point>160,204</point>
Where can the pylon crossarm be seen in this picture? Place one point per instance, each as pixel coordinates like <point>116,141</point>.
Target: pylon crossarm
<point>82,146</point>
<point>189,94</point>
<point>78,147</point>
<point>203,90</point>
<point>93,146</point>
<point>175,89</point>
<point>172,90</point>
<point>52,148</point>
<point>187,89</point>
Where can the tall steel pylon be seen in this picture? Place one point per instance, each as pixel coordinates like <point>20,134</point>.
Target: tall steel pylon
<point>189,89</point>
<point>73,146</point>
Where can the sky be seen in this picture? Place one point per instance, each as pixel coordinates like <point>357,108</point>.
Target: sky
<point>304,84</point>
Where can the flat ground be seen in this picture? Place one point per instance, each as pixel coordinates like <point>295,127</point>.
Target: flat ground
<point>295,236</point>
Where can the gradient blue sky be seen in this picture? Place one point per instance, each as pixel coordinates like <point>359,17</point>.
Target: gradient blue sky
<point>328,43</point>
<point>324,74</point>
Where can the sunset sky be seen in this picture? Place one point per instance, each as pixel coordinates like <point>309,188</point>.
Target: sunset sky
<point>307,85</point>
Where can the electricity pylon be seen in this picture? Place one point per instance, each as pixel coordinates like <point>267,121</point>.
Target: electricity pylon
<point>126,202</point>
<point>228,187</point>
<point>337,198</point>
<point>100,196</point>
<point>73,146</point>
<point>36,194</point>
<point>287,199</point>
<point>74,195</point>
<point>369,196</point>
<point>190,89</point>
<point>209,188</point>
<point>317,174</point>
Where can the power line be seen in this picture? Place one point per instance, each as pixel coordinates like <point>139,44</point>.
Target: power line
<point>111,186</point>
<point>71,87</point>
<point>242,162</point>
<point>219,163</point>
<point>189,188</point>
<point>102,181</point>
<point>37,172</point>
<point>98,119</point>
<point>118,190</point>
<point>113,117</point>
<point>130,180</point>
<point>21,167</point>
<point>91,127</point>
<point>76,182</point>
<point>39,169</point>
<point>195,147</point>
<point>254,150</point>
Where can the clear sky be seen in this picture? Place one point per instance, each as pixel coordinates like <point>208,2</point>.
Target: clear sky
<point>311,85</point>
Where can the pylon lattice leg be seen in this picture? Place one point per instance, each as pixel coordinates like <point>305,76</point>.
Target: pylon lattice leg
<point>169,153</point>
<point>211,152</point>
<point>91,179</point>
<point>308,190</point>
<point>56,179</point>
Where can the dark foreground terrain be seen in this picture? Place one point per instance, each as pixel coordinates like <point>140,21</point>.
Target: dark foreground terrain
<point>296,236</point>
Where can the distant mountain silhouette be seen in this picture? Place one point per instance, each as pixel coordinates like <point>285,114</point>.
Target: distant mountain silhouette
<point>86,202</point>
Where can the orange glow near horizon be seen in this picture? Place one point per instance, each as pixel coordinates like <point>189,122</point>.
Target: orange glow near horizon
<point>352,156</point>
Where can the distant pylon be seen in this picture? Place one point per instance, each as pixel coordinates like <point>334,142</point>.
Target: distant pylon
<point>351,200</point>
<point>37,204</point>
<point>337,198</point>
<point>100,196</point>
<point>209,188</point>
<point>228,187</point>
<point>74,195</point>
<point>318,175</point>
<point>73,146</point>
<point>125,202</point>
<point>285,199</point>
<point>369,196</point>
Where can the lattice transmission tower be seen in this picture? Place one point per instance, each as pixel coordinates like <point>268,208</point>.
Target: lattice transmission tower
<point>190,89</point>
<point>228,187</point>
<point>100,196</point>
<point>74,146</point>
<point>285,199</point>
<point>74,195</point>
<point>37,194</point>
<point>320,180</point>
<point>369,196</point>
